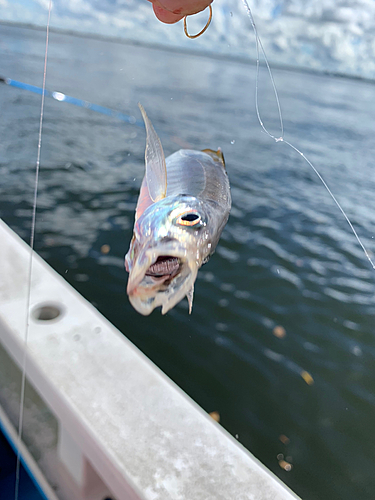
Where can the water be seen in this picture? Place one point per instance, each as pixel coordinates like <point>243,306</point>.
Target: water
<point>286,258</point>
<point>333,36</point>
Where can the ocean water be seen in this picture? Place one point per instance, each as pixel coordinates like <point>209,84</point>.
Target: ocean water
<point>287,263</point>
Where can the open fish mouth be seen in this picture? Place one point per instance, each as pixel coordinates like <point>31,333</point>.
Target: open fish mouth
<point>160,277</point>
<point>166,266</point>
<point>155,267</point>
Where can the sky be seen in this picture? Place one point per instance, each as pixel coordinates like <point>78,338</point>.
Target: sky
<point>327,35</point>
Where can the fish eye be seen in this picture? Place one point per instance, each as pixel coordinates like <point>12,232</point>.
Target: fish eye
<point>189,219</point>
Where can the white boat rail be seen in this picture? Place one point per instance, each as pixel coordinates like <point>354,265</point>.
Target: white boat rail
<point>118,427</point>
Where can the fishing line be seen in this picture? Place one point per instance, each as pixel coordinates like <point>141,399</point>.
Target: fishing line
<point>258,44</point>
<point>32,238</point>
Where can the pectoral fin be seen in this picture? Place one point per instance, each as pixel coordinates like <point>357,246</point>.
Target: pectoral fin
<point>190,296</point>
<point>156,171</point>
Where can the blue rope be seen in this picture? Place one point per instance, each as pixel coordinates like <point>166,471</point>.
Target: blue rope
<point>59,96</point>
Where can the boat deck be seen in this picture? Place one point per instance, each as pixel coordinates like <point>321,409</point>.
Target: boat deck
<point>8,460</point>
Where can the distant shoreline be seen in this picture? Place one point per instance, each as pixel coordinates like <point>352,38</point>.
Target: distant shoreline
<point>183,50</point>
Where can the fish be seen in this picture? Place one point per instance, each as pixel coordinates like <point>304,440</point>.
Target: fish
<point>182,209</point>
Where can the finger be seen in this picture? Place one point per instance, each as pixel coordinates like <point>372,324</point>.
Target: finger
<point>166,16</point>
<point>184,7</point>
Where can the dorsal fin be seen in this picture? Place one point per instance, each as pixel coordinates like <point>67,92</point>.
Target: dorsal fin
<point>156,170</point>
<point>215,155</point>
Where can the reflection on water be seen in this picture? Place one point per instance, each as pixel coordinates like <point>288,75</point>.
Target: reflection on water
<point>281,339</point>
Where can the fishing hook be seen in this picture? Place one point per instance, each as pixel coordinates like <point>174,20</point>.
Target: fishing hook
<point>203,30</point>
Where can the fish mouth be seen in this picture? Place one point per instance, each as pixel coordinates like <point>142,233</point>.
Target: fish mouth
<point>154,268</point>
<point>166,266</point>
<point>160,277</point>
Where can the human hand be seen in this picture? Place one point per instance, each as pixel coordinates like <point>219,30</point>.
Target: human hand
<point>171,11</point>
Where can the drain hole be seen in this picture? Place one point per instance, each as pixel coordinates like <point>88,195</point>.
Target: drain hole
<point>47,312</point>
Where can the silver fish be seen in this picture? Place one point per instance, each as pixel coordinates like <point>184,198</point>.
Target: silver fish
<point>183,206</point>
